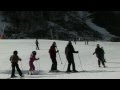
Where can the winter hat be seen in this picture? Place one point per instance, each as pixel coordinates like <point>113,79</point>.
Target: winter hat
<point>34,52</point>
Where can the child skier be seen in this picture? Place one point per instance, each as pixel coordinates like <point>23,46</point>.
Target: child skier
<point>14,60</point>
<point>32,59</point>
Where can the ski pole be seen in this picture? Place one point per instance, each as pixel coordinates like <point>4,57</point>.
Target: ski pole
<point>80,62</point>
<point>64,66</point>
<point>39,65</point>
<point>21,65</point>
<point>59,56</point>
<point>10,70</point>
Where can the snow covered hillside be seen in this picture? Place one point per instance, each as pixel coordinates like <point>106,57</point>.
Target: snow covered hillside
<point>51,25</point>
<point>103,31</point>
<point>89,62</point>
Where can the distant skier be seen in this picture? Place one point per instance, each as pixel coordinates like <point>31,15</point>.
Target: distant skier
<point>69,50</point>
<point>86,42</point>
<point>75,41</point>
<point>37,45</point>
<point>52,52</point>
<point>14,60</point>
<point>99,53</point>
<point>32,59</point>
<point>103,54</point>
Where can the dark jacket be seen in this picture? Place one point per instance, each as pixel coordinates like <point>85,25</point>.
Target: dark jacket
<point>69,50</point>
<point>99,52</point>
<point>14,59</point>
<point>52,51</point>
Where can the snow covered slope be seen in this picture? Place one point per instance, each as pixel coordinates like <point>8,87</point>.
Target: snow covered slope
<point>103,31</point>
<point>89,62</point>
<point>83,16</point>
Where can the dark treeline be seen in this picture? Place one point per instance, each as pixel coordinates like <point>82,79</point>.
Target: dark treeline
<point>58,24</point>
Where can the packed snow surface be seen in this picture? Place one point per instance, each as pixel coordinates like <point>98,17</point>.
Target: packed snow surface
<point>89,61</point>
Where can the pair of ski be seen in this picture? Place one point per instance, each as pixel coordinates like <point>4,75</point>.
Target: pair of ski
<point>65,72</point>
<point>16,77</point>
<point>57,72</point>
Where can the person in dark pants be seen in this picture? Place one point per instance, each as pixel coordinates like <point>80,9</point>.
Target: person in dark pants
<point>14,60</point>
<point>69,50</point>
<point>75,41</point>
<point>103,54</point>
<point>37,45</point>
<point>86,42</point>
<point>99,53</point>
<point>52,52</point>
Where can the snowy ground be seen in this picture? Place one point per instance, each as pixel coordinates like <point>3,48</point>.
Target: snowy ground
<point>89,62</point>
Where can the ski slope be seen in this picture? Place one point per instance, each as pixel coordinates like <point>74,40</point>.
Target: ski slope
<point>88,60</point>
<point>101,30</point>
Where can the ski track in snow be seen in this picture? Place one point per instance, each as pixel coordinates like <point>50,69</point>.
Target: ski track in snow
<point>89,61</point>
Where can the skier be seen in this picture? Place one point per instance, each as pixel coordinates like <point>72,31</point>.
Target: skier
<point>32,59</point>
<point>103,54</point>
<point>86,41</point>
<point>52,52</point>
<point>75,40</point>
<point>99,53</point>
<point>69,50</point>
<point>37,44</point>
<point>14,60</point>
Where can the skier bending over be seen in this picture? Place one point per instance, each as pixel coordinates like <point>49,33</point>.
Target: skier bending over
<point>32,59</point>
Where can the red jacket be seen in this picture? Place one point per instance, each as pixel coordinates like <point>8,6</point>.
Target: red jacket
<point>52,52</point>
<point>32,58</point>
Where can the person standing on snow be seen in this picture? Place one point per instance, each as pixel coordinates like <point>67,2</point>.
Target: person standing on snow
<point>75,41</point>
<point>32,59</point>
<point>103,54</point>
<point>52,52</point>
<point>14,60</point>
<point>69,50</point>
<point>37,45</point>
<point>86,41</point>
<point>99,53</point>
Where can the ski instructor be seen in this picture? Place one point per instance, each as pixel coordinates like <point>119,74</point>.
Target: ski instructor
<point>69,50</point>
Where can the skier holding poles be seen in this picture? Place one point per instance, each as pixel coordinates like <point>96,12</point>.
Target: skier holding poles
<point>69,50</point>
<point>59,55</point>
<point>52,52</point>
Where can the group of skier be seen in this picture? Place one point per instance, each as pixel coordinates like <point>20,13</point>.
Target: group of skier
<point>69,51</point>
